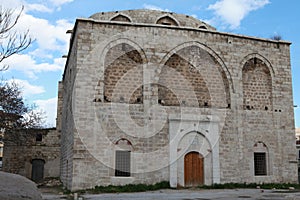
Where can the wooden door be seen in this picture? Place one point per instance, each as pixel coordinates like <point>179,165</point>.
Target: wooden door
<point>193,169</point>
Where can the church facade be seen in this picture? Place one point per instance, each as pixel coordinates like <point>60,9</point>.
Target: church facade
<point>150,96</point>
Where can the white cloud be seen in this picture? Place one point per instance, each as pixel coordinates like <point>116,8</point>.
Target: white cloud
<point>59,3</point>
<point>232,12</point>
<point>11,4</point>
<point>37,7</point>
<point>48,36</point>
<point>26,88</point>
<point>51,42</point>
<point>43,6</point>
<point>153,7</point>
<point>48,106</point>
<point>29,66</point>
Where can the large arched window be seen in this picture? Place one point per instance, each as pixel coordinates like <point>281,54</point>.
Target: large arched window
<point>257,85</point>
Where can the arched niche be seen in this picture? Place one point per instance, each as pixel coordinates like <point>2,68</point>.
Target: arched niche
<point>257,85</point>
<point>201,80</point>
<point>123,75</point>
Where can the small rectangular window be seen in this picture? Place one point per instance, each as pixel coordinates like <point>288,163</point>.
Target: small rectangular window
<point>38,137</point>
<point>260,164</point>
<point>122,163</point>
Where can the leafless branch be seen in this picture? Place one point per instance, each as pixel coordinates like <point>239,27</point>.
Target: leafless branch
<point>11,42</point>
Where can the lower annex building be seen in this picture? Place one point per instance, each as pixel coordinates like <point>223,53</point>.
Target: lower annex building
<point>150,96</point>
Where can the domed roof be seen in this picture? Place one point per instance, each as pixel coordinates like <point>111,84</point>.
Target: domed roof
<point>152,17</point>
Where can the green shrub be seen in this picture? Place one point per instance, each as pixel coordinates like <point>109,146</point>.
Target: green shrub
<point>129,188</point>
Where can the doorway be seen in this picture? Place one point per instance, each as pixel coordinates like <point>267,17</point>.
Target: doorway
<point>37,174</point>
<point>193,169</point>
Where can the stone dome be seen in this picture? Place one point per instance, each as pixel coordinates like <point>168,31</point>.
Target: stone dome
<point>152,17</point>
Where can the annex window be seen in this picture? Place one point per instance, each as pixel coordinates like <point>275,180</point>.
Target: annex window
<point>260,164</point>
<point>122,163</point>
<point>38,137</point>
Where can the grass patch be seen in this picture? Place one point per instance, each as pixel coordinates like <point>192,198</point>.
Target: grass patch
<point>127,188</point>
<point>251,185</point>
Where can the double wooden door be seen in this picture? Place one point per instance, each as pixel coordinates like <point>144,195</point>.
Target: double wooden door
<point>193,169</point>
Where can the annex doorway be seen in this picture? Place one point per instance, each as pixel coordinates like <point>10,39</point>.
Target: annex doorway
<point>37,174</point>
<point>193,169</point>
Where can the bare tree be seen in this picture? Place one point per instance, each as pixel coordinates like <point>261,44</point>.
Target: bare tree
<point>11,41</point>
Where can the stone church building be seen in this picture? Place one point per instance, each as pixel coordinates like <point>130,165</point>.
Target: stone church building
<point>150,96</point>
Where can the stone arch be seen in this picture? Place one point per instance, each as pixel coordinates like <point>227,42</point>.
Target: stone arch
<point>257,79</point>
<point>261,57</point>
<point>123,143</point>
<point>167,20</point>
<point>121,18</point>
<point>194,144</point>
<point>128,58</point>
<point>194,70</point>
<point>108,46</point>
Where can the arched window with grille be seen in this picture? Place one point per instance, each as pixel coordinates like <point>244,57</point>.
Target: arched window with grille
<point>123,158</point>
<point>260,159</point>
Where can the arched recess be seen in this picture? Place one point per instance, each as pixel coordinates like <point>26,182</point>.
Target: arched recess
<point>121,18</point>
<point>257,79</point>
<point>167,20</point>
<point>122,80</point>
<point>201,170</point>
<point>207,77</point>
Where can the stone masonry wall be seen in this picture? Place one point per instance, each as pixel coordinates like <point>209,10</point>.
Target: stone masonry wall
<point>21,148</point>
<point>222,70</point>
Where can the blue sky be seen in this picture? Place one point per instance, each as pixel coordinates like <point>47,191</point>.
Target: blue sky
<point>40,67</point>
